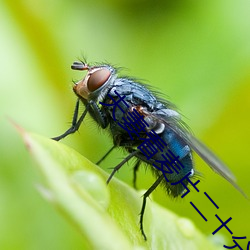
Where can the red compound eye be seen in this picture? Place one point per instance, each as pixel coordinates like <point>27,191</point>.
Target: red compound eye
<point>97,79</point>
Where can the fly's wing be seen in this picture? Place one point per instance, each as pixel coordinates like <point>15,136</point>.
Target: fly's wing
<point>174,123</point>
<point>212,160</point>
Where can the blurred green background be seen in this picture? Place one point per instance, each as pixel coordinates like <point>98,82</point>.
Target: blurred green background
<point>195,52</point>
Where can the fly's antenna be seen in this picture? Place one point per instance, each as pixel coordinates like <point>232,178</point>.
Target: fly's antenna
<point>80,66</point>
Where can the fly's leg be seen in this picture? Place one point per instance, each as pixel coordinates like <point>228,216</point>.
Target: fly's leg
<point>75,124</point>
<point>135,169</point>
<point>97,114</point>
<point>121,164</point>
<point>145,196</point>
<point>105,155</point>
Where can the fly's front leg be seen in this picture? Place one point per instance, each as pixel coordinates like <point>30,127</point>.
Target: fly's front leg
<point>97,114</point>
<point>75,124</point>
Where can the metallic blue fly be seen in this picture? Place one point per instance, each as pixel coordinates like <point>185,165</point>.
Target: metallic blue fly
<point>148,127</point>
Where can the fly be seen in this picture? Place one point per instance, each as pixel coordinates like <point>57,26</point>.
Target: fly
<point>110,100</point>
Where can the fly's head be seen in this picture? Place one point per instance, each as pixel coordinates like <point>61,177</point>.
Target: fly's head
<point>93,84</point>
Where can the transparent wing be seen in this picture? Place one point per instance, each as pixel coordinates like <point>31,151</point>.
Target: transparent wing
<point>206,154</point>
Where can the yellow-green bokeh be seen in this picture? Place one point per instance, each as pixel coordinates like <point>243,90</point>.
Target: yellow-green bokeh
<point>197,53</point>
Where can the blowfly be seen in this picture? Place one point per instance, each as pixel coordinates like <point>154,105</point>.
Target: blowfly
<point>148,127</point>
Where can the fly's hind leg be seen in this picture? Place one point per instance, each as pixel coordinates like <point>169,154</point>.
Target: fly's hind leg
<point>145,196</point>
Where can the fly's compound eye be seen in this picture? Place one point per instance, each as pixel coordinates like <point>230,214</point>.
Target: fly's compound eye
<point>97,79</point>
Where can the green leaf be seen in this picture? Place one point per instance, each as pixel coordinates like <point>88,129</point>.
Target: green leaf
<point>106,215</point>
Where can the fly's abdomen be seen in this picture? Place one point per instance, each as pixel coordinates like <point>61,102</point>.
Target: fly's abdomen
<point>174,161</point>
<point>177,161</point>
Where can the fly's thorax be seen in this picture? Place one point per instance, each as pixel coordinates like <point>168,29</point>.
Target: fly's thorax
<point>95,84</point>
<point>153,121</point>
